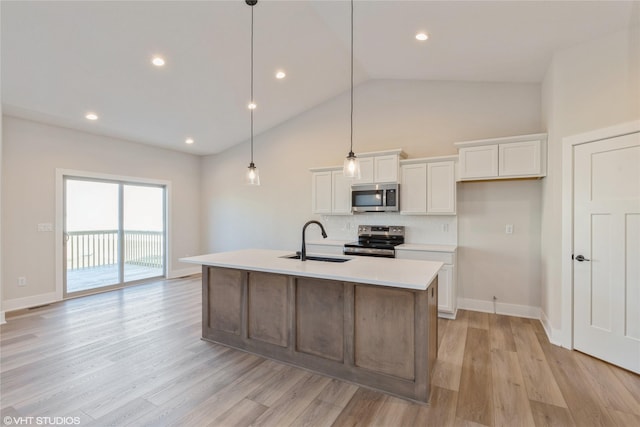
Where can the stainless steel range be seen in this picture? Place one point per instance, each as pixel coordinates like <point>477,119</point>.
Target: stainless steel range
<point>376,240</point>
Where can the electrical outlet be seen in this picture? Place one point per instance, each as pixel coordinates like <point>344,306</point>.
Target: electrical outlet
<point>508,229</point>
<point>445,228</point>
<point>45,227</point>
<point>22,281</point>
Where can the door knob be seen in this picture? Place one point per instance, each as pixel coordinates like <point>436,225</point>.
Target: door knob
<point>581,258</point>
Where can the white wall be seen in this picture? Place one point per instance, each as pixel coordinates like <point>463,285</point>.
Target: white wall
<point>424,118</point>
<point>32,153</point>
<point>587,87</point>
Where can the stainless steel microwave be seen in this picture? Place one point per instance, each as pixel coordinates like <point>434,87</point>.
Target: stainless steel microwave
<point>375,198</point>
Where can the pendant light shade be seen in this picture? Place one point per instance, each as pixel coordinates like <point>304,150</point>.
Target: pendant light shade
<point>351,167</point>
<point>252,176</point>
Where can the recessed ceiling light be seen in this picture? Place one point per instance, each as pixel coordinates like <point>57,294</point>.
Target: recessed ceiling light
<point>422,36</point>
<point>158,61</point>
<point>252,106</point>
<point>188,141</point>
<point>280,75</point>
<point>91,116</point>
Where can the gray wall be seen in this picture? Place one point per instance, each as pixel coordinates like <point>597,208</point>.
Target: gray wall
<point>32,153</point>
<point>587,87</point>
<point>424,118</point>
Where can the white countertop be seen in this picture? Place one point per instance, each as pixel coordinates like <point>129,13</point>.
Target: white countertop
<point>426,248</point>
<point>405,246</point>
<point>398,273</point>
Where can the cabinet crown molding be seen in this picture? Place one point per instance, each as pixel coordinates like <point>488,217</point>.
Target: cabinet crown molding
<point>452,157</point>
<point>503,140</point>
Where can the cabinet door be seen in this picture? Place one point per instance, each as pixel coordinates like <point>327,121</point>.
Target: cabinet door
<point>446,289</point>
<point>478,162</point>
<point>413,189</point>
<point>366,171</point>
<point>441,188</point>
<point>520,158</point>
<point>341,193</point>
<point>321,192</point>
<point>385,168</point>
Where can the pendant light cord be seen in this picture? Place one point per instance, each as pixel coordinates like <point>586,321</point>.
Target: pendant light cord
<point>351,135</point>
<point>252,101</point>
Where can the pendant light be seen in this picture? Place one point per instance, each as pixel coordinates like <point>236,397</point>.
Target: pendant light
<point>252,176</point>
<point>351,163</point>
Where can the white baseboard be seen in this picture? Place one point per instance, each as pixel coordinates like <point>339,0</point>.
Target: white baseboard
<point>174,274</point>
<point>552,334</point>
<point>32,301</point>
<point>2,319</point>
<point>446,315</point>
<point>500,308</point>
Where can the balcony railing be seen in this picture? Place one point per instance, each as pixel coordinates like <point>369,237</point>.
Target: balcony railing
<point>89,249</point>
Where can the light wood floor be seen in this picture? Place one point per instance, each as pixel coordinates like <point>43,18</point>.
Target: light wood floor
<point>134,357</point>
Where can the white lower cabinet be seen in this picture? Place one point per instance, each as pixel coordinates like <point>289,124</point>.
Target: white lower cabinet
<point>447,278</point>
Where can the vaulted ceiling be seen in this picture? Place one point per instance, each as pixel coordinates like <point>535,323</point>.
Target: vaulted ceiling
<point>61,60</point>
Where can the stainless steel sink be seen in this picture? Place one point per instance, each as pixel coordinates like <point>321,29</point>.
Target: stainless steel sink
<point>317,258</point>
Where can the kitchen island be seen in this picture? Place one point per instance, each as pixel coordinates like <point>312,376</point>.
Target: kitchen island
<point>371,321</point>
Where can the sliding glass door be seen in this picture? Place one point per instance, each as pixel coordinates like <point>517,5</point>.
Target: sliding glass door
<point>114,234</point>
<point>143,227</point>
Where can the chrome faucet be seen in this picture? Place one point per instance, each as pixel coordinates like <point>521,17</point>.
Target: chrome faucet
<point>303,251</point>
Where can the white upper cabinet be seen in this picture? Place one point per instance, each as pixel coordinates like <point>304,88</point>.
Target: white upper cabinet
<point>366,171</point>
<point>385,168</point>
<point>428,186</point>
<point>379,167</point>
<point>521,156</point>
<point>330,192</point>
<point>340,193</point>
<point>441,187</point>
<point>321,192</point>
<point>413,189</point>
<point>479,162</point>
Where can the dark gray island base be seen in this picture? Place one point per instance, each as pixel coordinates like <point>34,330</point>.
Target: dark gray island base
<point>379,337</point>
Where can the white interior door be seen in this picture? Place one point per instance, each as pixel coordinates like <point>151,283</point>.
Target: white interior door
<point>607,250</point>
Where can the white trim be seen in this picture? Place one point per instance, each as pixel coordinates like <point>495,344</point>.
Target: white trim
<point>174,274</point>
<point>553,334</point>
<point>31,301</point>
<point>500,308</point>
<point>60,174</point>
<point>3,320</point>
<point>565,334</point>
<point>502,140</point>
<point>448,315</point>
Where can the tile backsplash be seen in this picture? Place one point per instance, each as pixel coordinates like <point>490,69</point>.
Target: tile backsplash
<point>419,229</point>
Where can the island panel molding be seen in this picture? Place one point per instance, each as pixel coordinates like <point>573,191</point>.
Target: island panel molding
<point>384,330</point>
<point>320,317</point>
<point>225,299</point>
<point>378,336</point>
<point>267,309</point>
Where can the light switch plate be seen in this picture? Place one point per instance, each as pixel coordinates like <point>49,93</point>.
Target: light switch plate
<point>508,229</point>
